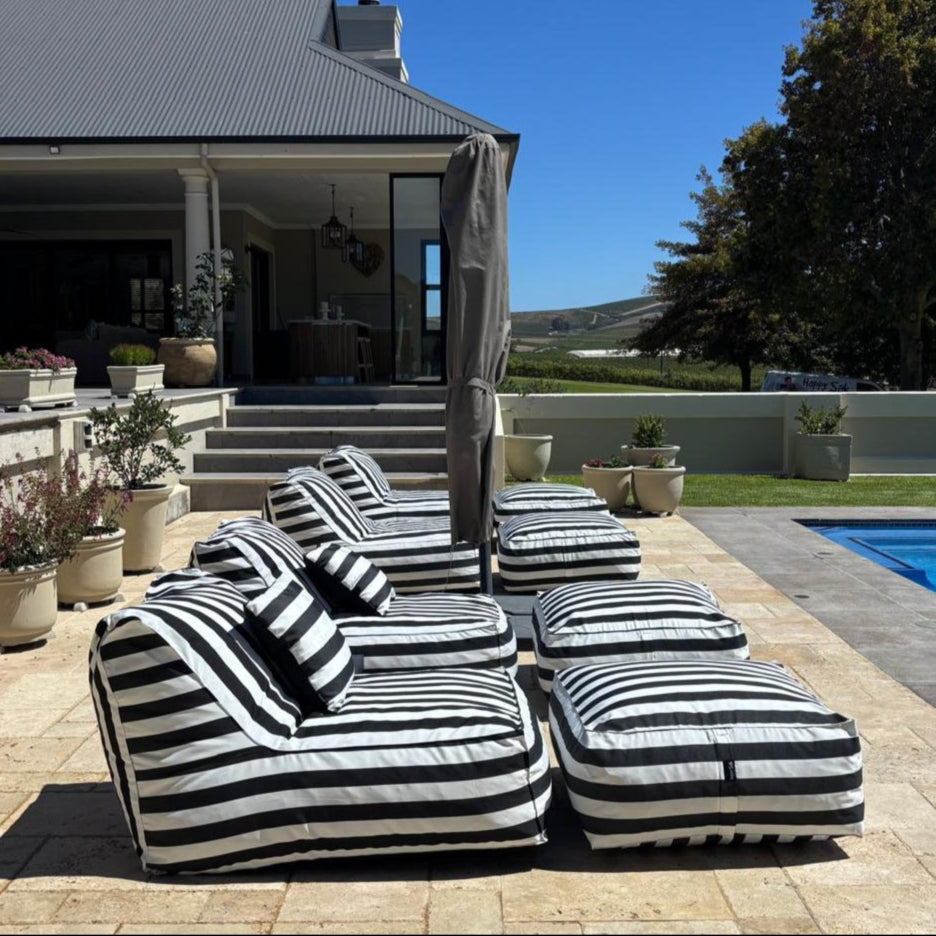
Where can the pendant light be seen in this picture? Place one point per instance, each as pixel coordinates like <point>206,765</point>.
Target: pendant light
<point>353,249</point>
<point>333,231</point>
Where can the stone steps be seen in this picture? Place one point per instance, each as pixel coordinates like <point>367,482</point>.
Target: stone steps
<point>365,414</point>
<point>380,438</point>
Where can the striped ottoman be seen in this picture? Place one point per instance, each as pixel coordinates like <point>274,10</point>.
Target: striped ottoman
<point>604,622</point>
<point>522,499</point>
<point>701,751</point>
<point>537,551</point>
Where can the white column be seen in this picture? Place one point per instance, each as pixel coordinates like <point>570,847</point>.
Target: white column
<point>197,226</point>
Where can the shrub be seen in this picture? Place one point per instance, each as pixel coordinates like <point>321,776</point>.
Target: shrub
<point>816,420</point>
<point>34,359</point>
<point>132,355</point>
<point>536,385</point>
<point>658,461</point>
<point>649,431</point>
<point>128,441</point>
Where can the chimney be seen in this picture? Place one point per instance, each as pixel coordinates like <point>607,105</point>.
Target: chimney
<point>370,33</point>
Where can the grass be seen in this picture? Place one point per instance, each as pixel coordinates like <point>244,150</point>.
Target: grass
<point>773,491</point>
<point>588,386</point>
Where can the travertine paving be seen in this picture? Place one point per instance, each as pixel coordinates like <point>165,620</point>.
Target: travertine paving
<point>66,864</point>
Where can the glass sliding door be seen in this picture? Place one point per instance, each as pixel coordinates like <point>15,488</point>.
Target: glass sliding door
<point>419,279</point>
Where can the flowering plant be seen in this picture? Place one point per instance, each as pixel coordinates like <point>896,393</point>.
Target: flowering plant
<point>615,461</point>
<point>97,505</point>
<point>39,524</point>
<point>34,359</point>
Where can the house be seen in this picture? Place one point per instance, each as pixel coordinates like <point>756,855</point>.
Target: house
<point>136,135</point>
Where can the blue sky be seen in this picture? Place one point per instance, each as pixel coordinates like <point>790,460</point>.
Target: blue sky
<point>617,103</point>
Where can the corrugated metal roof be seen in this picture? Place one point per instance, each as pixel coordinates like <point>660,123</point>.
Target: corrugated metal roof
<point>197,69</point>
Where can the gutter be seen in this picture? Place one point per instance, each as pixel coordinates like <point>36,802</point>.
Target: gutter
<point>216,244</point>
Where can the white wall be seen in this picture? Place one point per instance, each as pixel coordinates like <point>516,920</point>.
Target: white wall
<point>893,433</point>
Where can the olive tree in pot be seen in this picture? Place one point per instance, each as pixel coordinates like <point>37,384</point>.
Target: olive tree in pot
<point>95,573</point>
<point>647,441</point>
<point>822,452</point>
<point>37,532</point>
<point>658,486</point>
<point>138,446</point>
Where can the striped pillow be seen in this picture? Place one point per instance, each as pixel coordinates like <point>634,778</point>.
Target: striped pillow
<point>349,581</point>
<point>302,642</point>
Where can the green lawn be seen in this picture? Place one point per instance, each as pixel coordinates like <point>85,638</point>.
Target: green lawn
<point>772,491</point>
<point>588,386</point>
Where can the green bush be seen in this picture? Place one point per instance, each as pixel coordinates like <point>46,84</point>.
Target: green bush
<point>132,355</point>
<point>815,420</point>
<point>649,431</point>
<point>537,385</point>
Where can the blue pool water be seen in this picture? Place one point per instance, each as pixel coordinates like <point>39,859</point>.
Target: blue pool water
<point>907,548</point>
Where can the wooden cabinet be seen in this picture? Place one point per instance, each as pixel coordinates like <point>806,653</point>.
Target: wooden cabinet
<point>320,348</point>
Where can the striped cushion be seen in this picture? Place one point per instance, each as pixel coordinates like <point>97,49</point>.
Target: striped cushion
<point>361,478</point>
<point>433,631</point>
<point>703,751</point>
<point>521,499</point>
<point>599,622</point>
<point>537,551</point>
<point>249,553</point>
<point>306,648</point>
<point>215,774</point>
<point>351,582</point>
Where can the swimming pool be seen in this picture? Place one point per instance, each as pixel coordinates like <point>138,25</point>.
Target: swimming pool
<point>905,547</point>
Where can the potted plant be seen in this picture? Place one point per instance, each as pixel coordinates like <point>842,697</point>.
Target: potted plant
<point>822,452</point>
<point>658,486</point>
<point>527,456</point>
<point>134,370</point>
<point>647,440</point>
<point>610,479</point>
<point>138,446</point>
<point>190,358</point>
<point>95,573</point>
<point>37,532</point>
<point>36,377</point>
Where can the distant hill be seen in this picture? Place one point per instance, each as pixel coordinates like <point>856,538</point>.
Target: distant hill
<point>598,326</point>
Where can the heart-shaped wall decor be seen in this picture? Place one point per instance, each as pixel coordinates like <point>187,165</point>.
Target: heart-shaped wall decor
<point>370,262</point>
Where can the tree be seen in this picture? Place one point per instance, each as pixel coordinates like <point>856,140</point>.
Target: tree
<point>859,98</point>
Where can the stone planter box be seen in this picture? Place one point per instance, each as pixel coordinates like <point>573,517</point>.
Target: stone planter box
<point>613,484</point>
<point>129,380</point>
<point>189,362</point>
<point>28,605</point>
<point>527,456</point>
<point>25,389</point>
<point>95,573</point>
<point>643,456</point>
<point>823,457</point>
<point>658,490</point>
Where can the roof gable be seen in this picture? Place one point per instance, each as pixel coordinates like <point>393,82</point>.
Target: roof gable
<point>205,70</point>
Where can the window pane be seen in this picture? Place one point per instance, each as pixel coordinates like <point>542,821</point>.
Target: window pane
<point>136,293</point>
<point>433,264</point>
<point>433,310</point>
<point>153,295</point>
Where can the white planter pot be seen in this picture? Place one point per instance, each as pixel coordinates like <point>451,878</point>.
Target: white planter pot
<point>24,389</point>
<point>613,484</point>
<point>95,573</point>
<point>132,379</point>
<point>823,457</point>
<point>144,521</point>
<point>658,490</point>
<point>28,605</point>
<point>528,456</point>
<point>643,456</point>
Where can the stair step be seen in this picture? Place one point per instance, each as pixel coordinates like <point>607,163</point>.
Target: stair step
<point>365,437</point>
<point>350,394</point>
<point>377,414</point>
<point>220,490</point>
<point>282,459</point>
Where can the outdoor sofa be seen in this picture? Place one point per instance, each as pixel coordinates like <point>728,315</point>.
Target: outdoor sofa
<point>416,554</point>
<point>218,768</point>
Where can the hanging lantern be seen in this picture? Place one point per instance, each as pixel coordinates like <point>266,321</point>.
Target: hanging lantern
<point>353,249</point>
<point>333,231</point>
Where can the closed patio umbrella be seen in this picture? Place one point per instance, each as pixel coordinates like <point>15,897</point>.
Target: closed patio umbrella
<point>474,212</point>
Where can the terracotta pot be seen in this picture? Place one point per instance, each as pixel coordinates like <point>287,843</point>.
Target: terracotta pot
<point>613,484</point>
<point>190,362</point>
<point>24,389</point>
<point>528,456</point>
<point>128,380</point>
<point>95,573</point>
<point>643,456</point>
<point>144,520</point>
<point>823,457</point>
<point>28,605</point>
<point>658,490</point>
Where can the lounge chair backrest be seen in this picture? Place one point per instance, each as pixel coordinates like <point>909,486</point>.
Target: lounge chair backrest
<point>312,509</point>
<point>358,475</point>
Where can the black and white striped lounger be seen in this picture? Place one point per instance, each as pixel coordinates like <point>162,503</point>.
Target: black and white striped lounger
<point>538,551</point>
<point>424,631</point>
<point>523,499</point>
<point>415,554</point>
<point>604,622</point>
<point>700,752</point>
<point>362,479</point>
<point>217,771</point>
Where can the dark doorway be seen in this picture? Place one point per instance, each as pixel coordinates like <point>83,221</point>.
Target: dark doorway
<point>269,347</point>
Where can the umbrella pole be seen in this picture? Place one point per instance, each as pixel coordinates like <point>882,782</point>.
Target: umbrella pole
<point>484,560</point>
